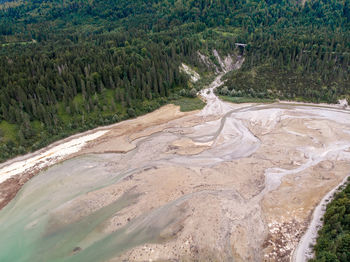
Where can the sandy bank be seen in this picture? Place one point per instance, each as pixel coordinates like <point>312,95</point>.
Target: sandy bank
<point>114,138</point>
<point>304,250</point>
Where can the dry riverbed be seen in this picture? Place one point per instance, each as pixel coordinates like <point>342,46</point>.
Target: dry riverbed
<point>231,182</point>
<point>15,173</point>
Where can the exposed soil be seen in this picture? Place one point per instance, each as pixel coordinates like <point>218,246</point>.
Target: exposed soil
<point>115,140</point>
<point>11,186</point>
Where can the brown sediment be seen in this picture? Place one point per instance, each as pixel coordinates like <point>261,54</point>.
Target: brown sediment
<point>118,139</point>
<point>121,137</point>
<point>10,187</point>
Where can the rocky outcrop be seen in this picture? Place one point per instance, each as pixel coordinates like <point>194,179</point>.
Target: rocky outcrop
<point>224,64</point>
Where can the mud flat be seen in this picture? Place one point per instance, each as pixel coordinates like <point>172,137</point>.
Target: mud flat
<point>16,172</point>
<point>231,182</point>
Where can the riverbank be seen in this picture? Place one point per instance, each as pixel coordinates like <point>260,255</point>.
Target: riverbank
<point>16,172</point>
<point>304,250</point>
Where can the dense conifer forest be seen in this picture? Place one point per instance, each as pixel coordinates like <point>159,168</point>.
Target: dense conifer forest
<point>68,66</point>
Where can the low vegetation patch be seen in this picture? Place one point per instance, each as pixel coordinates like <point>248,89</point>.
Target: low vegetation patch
<point>238,100</point>
<point>189,104</point>
<point>276,81</point>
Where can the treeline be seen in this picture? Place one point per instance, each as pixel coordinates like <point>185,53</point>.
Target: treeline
<point>66,66</point>
<point>333,242</point>
<point>78,85</point>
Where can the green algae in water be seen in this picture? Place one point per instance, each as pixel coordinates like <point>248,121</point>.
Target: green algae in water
<point>23,222</point>
<point>54,245</point>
